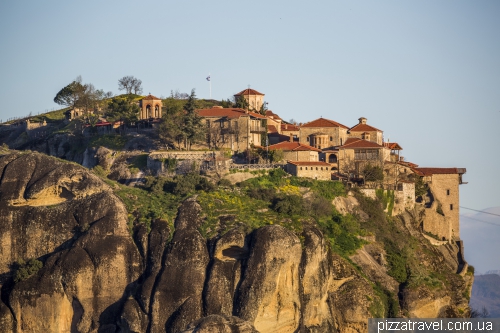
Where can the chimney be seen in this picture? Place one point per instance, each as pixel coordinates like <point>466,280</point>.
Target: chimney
<point>362,120</point>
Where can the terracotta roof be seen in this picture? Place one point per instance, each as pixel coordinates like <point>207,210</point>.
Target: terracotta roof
<point>293,146</point>
<point>364,128</point>
<point>322,122</point>
<point>318,163</point>
<point>248,92</point>
<point>360,143</point>
<point>272,129</point>
<point>270,113</point>
<point>150,97</point>
<point>230,113</point>
<point>289,127</point>
<point>393,145</point>
<point>440,171</point>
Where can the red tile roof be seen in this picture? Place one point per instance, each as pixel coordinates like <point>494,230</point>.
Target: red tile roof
<point>231,113</point>
<point>270,113</point>
<point>393,145</point>
<point>440,171</point>
<point>360,143</point>
<point>364,128</point>
<point>248,92</point>
<point>150,97</point>
<point>289,127</point>
<point>293,146</point>
<point>322,122</point>
<point>272,129</point>
<point>318,163</point>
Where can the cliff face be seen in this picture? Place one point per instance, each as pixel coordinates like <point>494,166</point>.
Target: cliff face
<point>69,264</point>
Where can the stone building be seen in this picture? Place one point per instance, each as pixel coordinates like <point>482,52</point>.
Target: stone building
<point>254,98</point>
<point>442,202</point>
<point>314,170</point>
<point>323,133</point>
<point>356,153</point>
<point>296,151</point>
<point>291,130</point>
<point>366,132</point>
<point>78,112</point>
<point>233,128</point>
<point>395,149</point>
<point>150,107</point>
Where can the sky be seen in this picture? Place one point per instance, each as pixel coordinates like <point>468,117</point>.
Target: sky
<point>426,72</point>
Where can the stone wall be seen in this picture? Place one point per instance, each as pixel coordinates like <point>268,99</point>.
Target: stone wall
<point>375,136</point>
<point>308,171</point>
<point>404,197</point>
<point>309,156</point>
<point>337,134</point>
<point>444,188</point>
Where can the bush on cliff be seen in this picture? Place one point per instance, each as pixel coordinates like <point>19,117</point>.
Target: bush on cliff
<point>26,269</point>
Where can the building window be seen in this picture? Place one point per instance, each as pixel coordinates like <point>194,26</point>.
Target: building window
<point>300,168</point>
<point>331,138</point>
<point>366,154</point>
<point>451,206</point>
<point>308,139</point>
<point>447,192</point>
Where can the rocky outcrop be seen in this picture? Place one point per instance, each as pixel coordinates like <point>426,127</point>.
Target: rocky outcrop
<point>69,220</point>
<point>93,274</point>
<point>268,296</point>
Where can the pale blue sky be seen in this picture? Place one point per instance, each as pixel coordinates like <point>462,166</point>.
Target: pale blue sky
<point>425,72</point>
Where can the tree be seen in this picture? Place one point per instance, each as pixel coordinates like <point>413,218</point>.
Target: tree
<point>241,103</point>
<point>263,109</point>
<point>170,130</point>
<point>125,109</point>
<point>372,173</point>
<point>71,94</point>
<point>84,96</point>
<point>193,128</point>
<point>129,84</point>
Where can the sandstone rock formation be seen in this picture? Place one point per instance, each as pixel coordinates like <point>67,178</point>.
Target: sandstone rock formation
<point>99,276</point>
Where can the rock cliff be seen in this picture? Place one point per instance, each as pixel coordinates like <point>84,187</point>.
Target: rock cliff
<point>70,263</point>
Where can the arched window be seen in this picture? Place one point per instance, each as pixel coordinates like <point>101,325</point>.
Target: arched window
<point>148,111</point>
<point>157,111</point>
<point>332,158</point>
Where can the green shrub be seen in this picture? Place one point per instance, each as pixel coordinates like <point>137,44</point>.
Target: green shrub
<point>225,183</point>
<point>439,209</point>
<point>139,162</point>
<point>265,194</point>
<point>25,270</point>
<point>396,261</point>
<point>111,141</point>
<point>289,205</point>
<point>99,170</point>
<point>277,175</point>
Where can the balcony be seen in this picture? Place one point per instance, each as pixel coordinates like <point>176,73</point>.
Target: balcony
<point>258,129</point>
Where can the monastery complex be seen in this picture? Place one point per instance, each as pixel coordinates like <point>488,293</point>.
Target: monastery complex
<point>327,150</point>
<point>322,149</point>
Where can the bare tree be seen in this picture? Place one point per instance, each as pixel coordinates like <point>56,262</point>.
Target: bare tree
<point>129,84</point>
